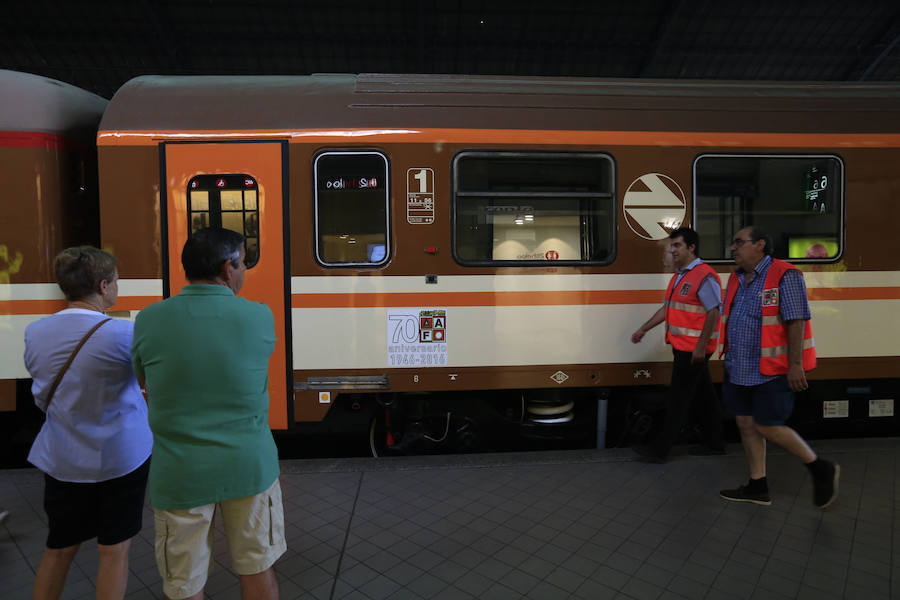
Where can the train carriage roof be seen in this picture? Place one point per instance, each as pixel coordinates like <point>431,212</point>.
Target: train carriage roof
<point>222,103</point>
<point>39,104</point>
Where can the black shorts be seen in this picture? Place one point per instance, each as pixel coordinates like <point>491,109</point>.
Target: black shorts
<point>108,510</point>
<point>769,403</point>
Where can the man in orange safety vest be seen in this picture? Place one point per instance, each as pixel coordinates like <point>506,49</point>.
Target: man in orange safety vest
<point>768,346</point>
<point>690,311</point>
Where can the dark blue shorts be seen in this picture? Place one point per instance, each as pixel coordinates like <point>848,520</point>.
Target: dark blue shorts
<point>769,403</point>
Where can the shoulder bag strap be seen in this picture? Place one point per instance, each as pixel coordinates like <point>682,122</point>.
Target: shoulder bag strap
<point>65,368</point>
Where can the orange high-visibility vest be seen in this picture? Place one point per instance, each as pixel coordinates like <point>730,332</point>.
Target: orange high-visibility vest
<point>685,313</point>
<point>774,335</point>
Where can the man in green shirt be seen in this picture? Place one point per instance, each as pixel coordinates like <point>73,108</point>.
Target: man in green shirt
<point>204,356</point>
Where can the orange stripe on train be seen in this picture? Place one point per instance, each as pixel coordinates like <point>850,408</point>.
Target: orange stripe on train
<point>860,293</point>
<point>400,299</point>
<point>518,136</point>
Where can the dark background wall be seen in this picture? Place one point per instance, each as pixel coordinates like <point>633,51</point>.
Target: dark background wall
<point>100,44</point>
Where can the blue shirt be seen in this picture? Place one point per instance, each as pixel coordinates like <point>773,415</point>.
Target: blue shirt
<point>745,321</point>
<point>96,428</point>
<point>710,292</point>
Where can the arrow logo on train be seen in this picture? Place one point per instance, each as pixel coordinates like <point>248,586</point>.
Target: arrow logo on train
<point>652,208</point>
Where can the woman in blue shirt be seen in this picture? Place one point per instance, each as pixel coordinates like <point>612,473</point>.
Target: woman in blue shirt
<point>94,447</point>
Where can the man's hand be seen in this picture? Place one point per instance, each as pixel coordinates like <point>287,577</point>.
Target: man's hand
<point>699,354</point>
<point>796,378</point>
<point>637,336</point>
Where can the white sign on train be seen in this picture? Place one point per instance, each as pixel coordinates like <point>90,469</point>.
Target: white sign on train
<point>417,337</point>
<point>654,205</point>
<point>420,196</point>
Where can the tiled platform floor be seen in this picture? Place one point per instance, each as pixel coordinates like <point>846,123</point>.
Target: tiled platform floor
<point>580,524</point>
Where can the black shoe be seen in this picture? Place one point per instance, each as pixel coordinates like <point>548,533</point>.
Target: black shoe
<point>648,455</point>
<point>745,494</point>
<point>825,488</point>
<point>705,451</point>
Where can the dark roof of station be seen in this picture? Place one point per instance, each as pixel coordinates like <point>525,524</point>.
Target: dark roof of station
<point>99,45</point>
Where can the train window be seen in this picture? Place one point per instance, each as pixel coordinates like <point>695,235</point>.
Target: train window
<point>533,207</point>
<point>227,201</point>
<point>351,208</point>
<point>797,199</point>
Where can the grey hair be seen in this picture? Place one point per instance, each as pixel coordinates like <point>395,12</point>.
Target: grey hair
<point>80,269</point>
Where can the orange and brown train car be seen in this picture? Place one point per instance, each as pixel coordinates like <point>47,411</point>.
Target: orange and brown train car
<point>434,244</point>
<point>49,201</point>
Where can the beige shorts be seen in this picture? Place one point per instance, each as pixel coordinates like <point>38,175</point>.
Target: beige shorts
<point>254,527</point>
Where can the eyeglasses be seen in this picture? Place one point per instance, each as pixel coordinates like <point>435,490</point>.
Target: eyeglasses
<point>738,242</point>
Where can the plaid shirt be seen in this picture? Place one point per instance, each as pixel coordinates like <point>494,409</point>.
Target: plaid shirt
<point>745,322</point>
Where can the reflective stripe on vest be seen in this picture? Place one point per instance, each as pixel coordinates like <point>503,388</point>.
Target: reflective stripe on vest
<point>695,333</point>
<point>780,350</point>
<point>774,347</point>
<point>694,308</point>
<point>685,313</point>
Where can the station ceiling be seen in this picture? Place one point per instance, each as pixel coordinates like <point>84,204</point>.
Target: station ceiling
<point>100,44</point>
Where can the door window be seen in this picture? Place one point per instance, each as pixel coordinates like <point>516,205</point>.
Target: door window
<point>229,202</point>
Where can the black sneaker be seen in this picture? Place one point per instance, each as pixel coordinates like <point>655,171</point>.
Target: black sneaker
<point>825,488</point>
<point>745,494</point>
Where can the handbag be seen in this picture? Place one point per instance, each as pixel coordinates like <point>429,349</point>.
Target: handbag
<point>65,367</point>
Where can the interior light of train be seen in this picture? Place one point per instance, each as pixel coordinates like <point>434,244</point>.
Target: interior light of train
<point>671,223</point>
<point>529,217</point>
<point>520,221</point>
<point>506,208</point>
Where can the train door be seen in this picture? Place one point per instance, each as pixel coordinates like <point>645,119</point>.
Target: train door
<point>240,186</point>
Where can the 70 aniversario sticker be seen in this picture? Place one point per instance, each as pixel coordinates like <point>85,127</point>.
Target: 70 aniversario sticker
<point>417,337</point>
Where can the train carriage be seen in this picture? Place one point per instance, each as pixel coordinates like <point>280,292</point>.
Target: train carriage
<point>460,234</point>
<point>48,169</point>
<point>439,248</point>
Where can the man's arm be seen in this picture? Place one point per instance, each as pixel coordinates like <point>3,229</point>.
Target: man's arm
<point>143,383</point>
<point>796,376</point>
<point>658,317</point>
<point>794,308</point>
<point>137,365</point>
<point>710,295</point>
<point>712,317</point>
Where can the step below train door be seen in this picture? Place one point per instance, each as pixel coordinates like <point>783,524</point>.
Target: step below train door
<point>240,186</point>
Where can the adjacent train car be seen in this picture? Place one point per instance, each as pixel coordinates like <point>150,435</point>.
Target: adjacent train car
<point>48,170</point>
<point>424,239</point>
